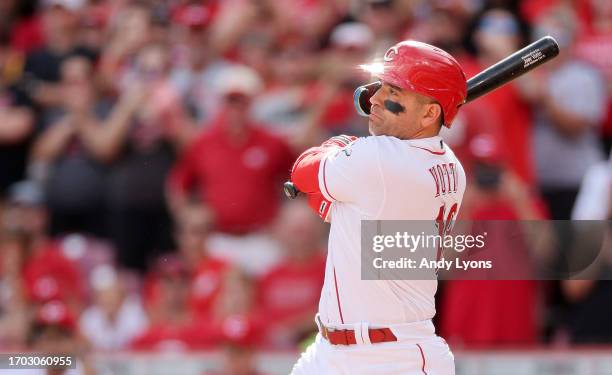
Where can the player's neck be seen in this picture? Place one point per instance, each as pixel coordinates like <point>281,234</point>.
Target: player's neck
<point>421,133</point>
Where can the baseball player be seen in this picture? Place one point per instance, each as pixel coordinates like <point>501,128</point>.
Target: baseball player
<point>403,171</point>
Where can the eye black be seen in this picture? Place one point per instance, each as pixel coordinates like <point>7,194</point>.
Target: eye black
<point>394,107</point>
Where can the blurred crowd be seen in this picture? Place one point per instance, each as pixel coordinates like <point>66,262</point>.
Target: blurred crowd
<point>143,146</point>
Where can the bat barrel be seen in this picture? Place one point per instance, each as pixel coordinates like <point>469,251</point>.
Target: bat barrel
<point>513,66</point>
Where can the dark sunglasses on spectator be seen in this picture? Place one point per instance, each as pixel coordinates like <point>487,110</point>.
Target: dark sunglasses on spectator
<point>381,4</point>
<point>236,98</point>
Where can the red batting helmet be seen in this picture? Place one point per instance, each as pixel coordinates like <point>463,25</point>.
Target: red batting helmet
<point>421,68</point>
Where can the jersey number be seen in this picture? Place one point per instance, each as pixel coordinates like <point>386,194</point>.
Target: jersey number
<point>444,226</point>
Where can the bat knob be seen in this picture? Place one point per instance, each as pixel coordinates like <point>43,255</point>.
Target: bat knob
<point>290,190</point>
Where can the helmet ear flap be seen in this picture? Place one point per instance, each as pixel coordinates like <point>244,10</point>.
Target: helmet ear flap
<point>362,95</point>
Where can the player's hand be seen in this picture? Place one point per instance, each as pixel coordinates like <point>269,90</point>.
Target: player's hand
<point>320,206</point>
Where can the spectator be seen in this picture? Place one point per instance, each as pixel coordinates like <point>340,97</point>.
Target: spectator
<point>94,24</point>
<point>16,119</point>
<point>594,197</point>
<point>236,166</point>
<point>193,76</point>
<point>239,340</point>
<point>139,140</point>
<point>498,35</point>
<point>386,18</point>
<point>115,318</point>
<point>565,137</point>
<point>13,305</point>
<point>48,274</point>
<point>237,297</point>
<point>312,19</point>
<point>66,152</point>
<point>130,31</point>
<point>60,22</point>
<point>284,105</point>
<point>289,293</point>
<point>507,303</point>
<point>589,295</point>
<point>473,133</point>
<point>350,45</point>
<point>442,25</point>
<point>236,19</point>
<point>235,316</point>
<point>205,273</point>
<point>54,332</point>
<point>588,299</point>
<point>589,309</point>
<point>172,326</point>
<point>192,229</point>
<point>592,45</point>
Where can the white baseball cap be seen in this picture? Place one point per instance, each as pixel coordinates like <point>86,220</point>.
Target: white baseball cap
<point>72,5</point>
<point>238,79</point>
<point>352,34</point>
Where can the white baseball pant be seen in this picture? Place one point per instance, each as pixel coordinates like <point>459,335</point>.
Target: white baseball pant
<point>420,352</point>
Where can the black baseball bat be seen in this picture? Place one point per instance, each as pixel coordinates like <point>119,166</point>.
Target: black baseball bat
<point>495,76</point>
<point>512,67</point>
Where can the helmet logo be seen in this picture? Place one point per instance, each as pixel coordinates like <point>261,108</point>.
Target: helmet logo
<point>391,53</point>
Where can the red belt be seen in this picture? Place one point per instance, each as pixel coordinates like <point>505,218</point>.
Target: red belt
<point>347,336</point>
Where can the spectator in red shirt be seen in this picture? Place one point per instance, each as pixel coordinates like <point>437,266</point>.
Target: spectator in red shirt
<point>172,326</point>
<point>236,318</point>
<point>192,229</point>
<point>507,309</point>
<point>239,338</point>
<point>289,293</point>
<point>474,132</point>
<point>54,332</point>
<point>498,35</point>
<point>236,167</point>
<point>47,272</point>
<point>207,272</point>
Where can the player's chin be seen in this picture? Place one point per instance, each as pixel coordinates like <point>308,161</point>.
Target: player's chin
<point>374,126</point>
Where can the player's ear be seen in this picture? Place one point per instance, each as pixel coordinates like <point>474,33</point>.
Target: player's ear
<point>431,115</point>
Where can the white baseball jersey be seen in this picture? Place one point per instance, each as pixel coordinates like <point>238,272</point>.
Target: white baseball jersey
<point>382,178</point>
